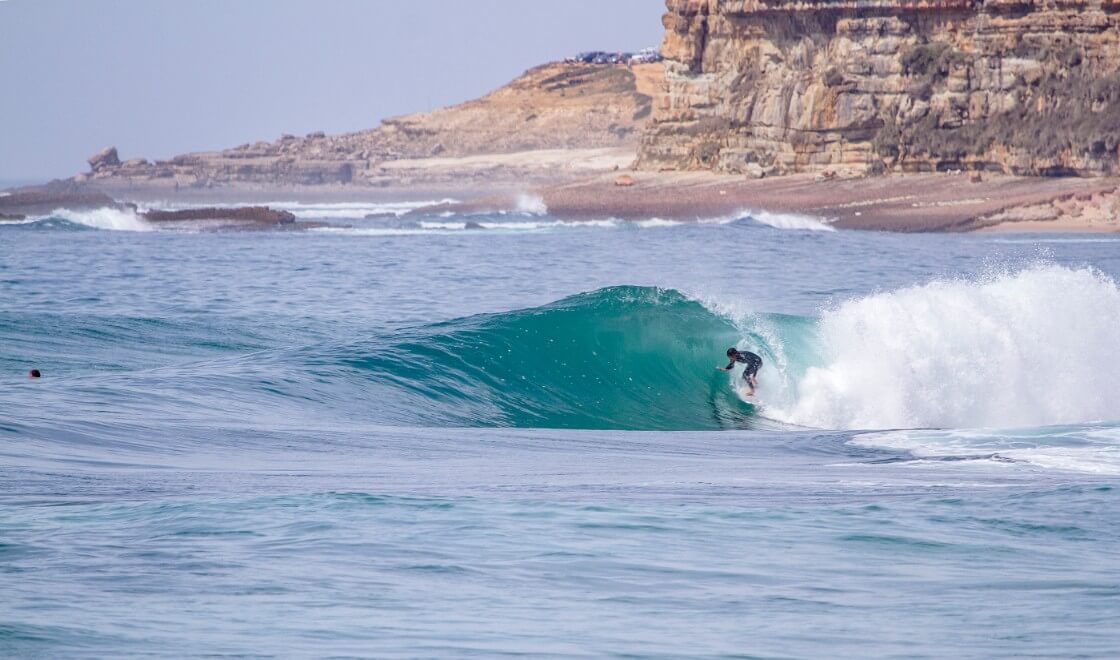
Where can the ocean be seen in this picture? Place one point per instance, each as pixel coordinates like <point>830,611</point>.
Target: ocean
<point>505,435</point>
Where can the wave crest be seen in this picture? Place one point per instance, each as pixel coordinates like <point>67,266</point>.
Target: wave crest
<point>106,218</point>
<point>1035,347</point>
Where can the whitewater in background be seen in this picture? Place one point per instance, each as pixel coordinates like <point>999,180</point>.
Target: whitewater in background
<point>405,218</point>
<point>420,433</point>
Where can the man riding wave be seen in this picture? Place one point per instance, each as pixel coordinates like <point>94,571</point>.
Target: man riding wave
<point>753,362</point>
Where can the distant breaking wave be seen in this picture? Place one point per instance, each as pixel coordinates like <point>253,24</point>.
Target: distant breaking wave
<point>109,219</point>
<point>789,221</point>
<point>412,219</point>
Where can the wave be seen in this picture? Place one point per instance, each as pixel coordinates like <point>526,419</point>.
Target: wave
<point>619,358</point>
<point>111,219</point>
<point>514,223</point>
<point>531,205</point>
<point>324,210</point>
<point>1093,448</point>
<point>789,221</point>
<point>1029,348</point>
<point>1033,349</point>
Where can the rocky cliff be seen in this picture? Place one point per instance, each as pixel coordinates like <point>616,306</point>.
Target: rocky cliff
<point>556,106</point>
<point>768,86</point>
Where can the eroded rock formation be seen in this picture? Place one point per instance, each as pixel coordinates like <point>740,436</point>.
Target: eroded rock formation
<point>555,106</point>
<point>1019,86</point>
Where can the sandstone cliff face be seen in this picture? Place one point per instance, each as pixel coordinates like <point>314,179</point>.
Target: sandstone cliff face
<point>555,106</point>
<point>1019,86</point>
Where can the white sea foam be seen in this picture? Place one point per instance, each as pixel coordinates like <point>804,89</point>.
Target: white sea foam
<point>429,227</point>
<point>531,205</point>
<point>789,221</point>
<point>103,218</point>
<point>654,223</point>
<point>1031,348</point>
<point>518,222</point>
<point>371,231</point>
<point>348,210</point>
<point>1093,449</point>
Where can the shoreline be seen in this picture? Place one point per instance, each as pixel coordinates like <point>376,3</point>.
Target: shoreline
<point>904,203</point>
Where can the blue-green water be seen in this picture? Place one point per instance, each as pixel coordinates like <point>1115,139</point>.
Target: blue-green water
<point>413,439</point>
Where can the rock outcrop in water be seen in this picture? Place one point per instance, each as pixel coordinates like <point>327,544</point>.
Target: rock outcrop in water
<point>1027,87</point>
<point>246,214</point>
<point>40,200</point>
<point>555,106</point>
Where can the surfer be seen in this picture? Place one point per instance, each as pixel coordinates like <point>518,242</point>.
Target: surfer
<point>753,362</point>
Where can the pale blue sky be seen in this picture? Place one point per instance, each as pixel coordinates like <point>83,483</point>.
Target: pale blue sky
<point>161,77</point>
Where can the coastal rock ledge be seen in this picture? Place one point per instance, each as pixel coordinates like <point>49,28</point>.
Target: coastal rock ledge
<point>1026,87</point>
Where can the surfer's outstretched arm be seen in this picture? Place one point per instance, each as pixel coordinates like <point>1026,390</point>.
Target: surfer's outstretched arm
<point>728,367</point>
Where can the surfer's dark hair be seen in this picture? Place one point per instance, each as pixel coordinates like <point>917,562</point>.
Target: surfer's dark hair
<point>732,351</point>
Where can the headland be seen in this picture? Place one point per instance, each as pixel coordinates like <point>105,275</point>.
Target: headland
<point>900,115</point>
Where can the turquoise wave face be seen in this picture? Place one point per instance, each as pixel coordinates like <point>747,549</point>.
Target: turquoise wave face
<point>618,358</point>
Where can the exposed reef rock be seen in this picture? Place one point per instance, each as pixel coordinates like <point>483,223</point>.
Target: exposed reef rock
<point>40,200</point>
<point>552,107</point>
<point>250,214</point>
<point>1029,87</point>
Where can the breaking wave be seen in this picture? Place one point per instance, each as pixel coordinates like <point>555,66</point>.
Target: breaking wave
<point>1034,348</point>
<point>110,219</point>
<point>531,205</point>
<point>1030,348</point>
<point>790,221</point>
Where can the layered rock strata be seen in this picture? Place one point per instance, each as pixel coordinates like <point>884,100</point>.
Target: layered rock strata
<point>1028,87</point>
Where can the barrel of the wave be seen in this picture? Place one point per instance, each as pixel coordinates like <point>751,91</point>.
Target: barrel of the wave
<point>617,358</point>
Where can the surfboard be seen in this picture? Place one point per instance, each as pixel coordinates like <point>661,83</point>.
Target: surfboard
<point>749,398</point>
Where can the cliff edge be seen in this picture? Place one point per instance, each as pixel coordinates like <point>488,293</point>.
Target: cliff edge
<point>558,106</point>
<point>1026,87</point>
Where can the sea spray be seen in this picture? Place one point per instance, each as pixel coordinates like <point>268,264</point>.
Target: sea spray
<point>530,204</point>
<point>1033,347</point>
<point>103,218</point>
<point>789,221</point>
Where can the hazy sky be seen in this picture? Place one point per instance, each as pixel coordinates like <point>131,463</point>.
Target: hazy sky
<point>161,77</point>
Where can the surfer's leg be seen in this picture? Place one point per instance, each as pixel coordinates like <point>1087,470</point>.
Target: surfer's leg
<point>749,381</point>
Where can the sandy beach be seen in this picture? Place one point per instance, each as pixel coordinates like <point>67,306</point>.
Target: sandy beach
<point>590,184</point>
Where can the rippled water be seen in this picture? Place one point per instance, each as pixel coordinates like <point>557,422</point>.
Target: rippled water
<point>420,438</point>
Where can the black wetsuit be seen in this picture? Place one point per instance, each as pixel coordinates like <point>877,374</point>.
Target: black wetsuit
<point>753,362</point>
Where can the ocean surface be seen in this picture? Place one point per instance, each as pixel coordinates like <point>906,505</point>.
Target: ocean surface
<point>505,435</point>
